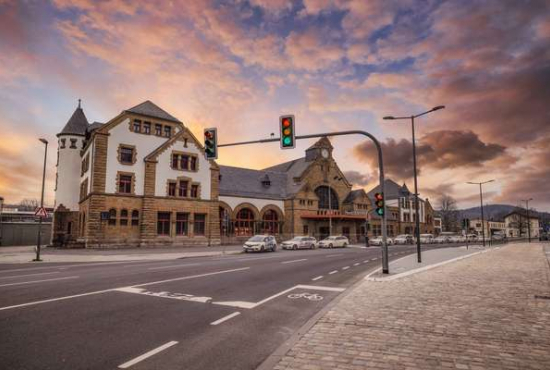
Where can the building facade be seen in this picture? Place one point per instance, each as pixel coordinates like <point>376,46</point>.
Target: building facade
<point>491,227</point>
<point>517,225</point>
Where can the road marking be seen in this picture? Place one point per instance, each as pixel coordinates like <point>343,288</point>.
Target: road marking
<point>223,319</point>
<point>178,296</point>
<point>304,259</point>
<point>173,267</point>
<point>321,287</point>
<point>39,281</point>
<point>148,354</point>
<point>62,267</point>
<point>333,255</point>
<point>365,261</point>
<point>345,268</point>
<point>333,272</point>
<point>114,289</point>
<point>317,278</point>
<point>18,276</point>
<point>374,259</point>
<point>356,264</point>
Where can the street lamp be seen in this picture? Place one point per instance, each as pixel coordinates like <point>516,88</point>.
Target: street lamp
<point>45,142</point>
<point>418,251</point>
<point>1,209</point>
<point>528,219</point>
<point>481,201</point>
<point>330,206</point>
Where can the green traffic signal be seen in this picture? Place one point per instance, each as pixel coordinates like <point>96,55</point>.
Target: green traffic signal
<point>287,131</point>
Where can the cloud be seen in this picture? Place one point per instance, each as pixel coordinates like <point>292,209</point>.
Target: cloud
<point>360,179</point>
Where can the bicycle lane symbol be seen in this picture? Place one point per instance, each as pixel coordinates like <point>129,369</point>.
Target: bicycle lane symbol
<point>308,296</point>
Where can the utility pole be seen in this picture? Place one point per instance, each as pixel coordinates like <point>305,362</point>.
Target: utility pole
<point>45,142</point>
<point>481,201</point>
<point>528,219</point>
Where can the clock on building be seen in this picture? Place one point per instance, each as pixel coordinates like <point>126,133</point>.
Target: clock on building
<point>324,153</point>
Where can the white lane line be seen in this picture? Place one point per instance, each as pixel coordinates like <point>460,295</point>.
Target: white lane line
<point>114,289</point>
<point>365,261</point>
<point>189,277</point>
<point>303,259</point>
<point>333,272</point>
<point>61,267</point>
<point>173,267</point>
<point>345,268</point>
<point>223,319</point>
<point>148,354</point>
<point>356,264</point>
<point>317,278</point>
<point>18,276</point>
<point>320,287</point>
<point>333,255</point>
<point>374,259</point>
<point>39,281</point>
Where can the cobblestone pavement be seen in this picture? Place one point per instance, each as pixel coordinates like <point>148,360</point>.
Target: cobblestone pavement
<point>477,313</point>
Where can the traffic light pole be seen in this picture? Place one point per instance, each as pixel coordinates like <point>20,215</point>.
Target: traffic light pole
<point>385,263</point>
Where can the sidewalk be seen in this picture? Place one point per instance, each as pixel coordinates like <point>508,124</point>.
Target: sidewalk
<point>487,311</point>
<point>26,254</point>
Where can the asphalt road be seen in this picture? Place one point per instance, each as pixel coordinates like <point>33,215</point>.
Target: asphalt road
<point>227,312</point>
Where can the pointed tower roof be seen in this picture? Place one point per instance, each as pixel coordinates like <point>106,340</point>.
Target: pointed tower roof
<point>323,142</point>
<point>77,124</point>
<point>148,108</point>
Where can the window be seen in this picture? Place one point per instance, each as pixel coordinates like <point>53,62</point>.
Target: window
<point>83,189</point>
<point>126,155</point>
<point>182,189</point>
<point>112,217</point>
<point>124,217</point>
<point>270,222</point>
<point>175,161</point>
<point>125,184</point>
<point>137,125</point>
<point>135,217</point>
<point>194,191</point>
<point>309,202</point>
<point>85,165</point>
<point>244,222</point>
<point>147,128</point>
<point>302,202</point>
<point>327,200</point>
<point>184,162</point>
<point>167,131</point>
<point>199,224</point>
<point>73,143</point>
<point>158,129</point>
<point>163,223</point>
<point>172,189</point>
<point>306,230</point>
<point>182,223</point>
<point>193,163</point>
<point>62,143</point>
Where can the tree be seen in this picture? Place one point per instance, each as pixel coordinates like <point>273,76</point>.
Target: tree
<point>449,213</point>
<point>28,205</point>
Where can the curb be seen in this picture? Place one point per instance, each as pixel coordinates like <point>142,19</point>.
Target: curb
<point>421,269</point>
<point>272,360</point>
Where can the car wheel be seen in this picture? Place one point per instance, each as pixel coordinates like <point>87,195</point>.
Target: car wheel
<point>344,245</point>
<point>330,246</point>
<point>246,251</point>
<point>294,247</point>
<point>262,249</point>
<point>312,246</point>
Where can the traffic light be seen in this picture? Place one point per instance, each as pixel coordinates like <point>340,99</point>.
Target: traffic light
<point>465,224</point>
<point>288,136</point>
<point>211,143</point>
<point>379,202</point>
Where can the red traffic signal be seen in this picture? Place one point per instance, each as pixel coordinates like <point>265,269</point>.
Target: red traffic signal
<point>379,202</point>
<point>211,143</point>
<point>288,137</point>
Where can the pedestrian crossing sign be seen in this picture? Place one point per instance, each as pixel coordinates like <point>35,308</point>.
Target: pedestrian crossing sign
<point>41,212</point>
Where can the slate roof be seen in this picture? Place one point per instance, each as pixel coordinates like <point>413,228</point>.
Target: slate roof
<point>148,108</point>
<point>323,142</point>
<point>354,194</point>
<point>244,182</point>
<point>77,124</point>
<point>94,126</point>
<point>392,190</point>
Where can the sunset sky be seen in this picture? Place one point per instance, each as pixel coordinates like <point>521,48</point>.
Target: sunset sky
<point>337,65</point>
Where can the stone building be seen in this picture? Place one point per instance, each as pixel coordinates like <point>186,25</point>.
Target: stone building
<point>517,225</point>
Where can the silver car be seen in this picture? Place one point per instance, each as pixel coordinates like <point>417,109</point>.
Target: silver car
<point>260,243</point>
<point>300,242</point>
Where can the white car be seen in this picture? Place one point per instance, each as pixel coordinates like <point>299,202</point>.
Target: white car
<point>444,237</point>
<point>404,239</point>
<point>300,242</point>
<point>457,239</point>
<point>377,240</point>
<point>472,237</point>
<point>260,243</point>
<point>426,238</point>
<point>334,241</point>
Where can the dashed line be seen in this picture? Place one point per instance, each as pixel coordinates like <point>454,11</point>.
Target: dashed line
<point>173,267</point>
<point>39,281</point>
<point>356,264</point>
<point>365,261</point>
<point>303,259</point>
<point>345,268</point>
<point>333,272</point>
<point>317,278</point>
<point>333,255</point>
<point>223,319</point>
<point>147,355</point>
<point>18,276</point>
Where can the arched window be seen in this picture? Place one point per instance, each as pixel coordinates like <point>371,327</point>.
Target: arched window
<point>225,222</point>
<point>135,217</point>
<point>326,202</point>
<point>112,216</point>
<point>124,217</point>
<point>244,222</point>
<point>270,222</point>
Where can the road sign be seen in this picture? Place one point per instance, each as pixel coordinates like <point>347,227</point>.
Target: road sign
<point>41,212</point>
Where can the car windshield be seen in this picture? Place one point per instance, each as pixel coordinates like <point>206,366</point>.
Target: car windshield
<point>298,238</point>
<point>256,239</point>
<point>402,236</point>
<point>331,238</point>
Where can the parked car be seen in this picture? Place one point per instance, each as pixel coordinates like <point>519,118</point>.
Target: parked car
<point>472,238</point>
<point>334,241</point>
<point>444,237</point>
<point>377,240</point>
<point>544,236</point>
<point>300,242</point>
<point>426,238</point>
<point>457,239</point>
<point>404,239</point>
<point>260,243</point>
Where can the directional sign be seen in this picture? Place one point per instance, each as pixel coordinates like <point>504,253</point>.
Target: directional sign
<point>41,212</point>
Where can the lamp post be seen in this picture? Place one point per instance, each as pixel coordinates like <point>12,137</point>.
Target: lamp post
<point>1,210</point>
<point>418,250</point>
<point>45,142</point>
<point>481,202</point>
<point>528,219</point>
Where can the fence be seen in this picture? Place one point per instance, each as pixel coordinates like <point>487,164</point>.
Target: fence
<point>24,233</point>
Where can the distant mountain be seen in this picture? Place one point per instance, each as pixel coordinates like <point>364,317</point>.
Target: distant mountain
<point>493,211</point>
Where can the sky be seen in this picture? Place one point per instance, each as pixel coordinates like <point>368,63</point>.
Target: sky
<point>336,65</point>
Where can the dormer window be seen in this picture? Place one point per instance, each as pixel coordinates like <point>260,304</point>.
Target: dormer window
<point>147,128</point>
<point>63,142</point>
<point>266,182</point>
<point>73,143</point>
<point>158,129</point>
<point>168,131</point>
<point>137,125</point>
